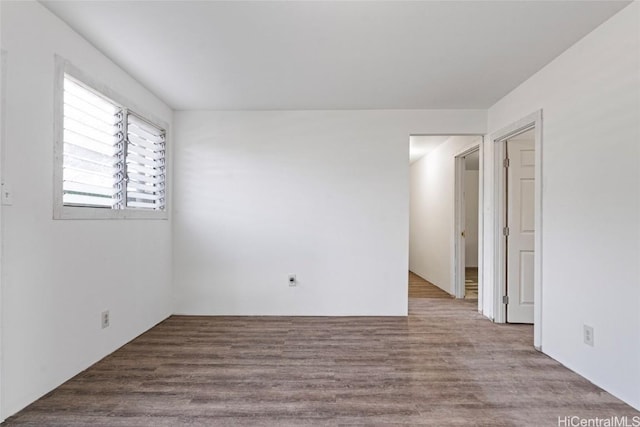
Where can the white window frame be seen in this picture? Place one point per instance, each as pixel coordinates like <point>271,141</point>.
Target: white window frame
<point>60,211</point>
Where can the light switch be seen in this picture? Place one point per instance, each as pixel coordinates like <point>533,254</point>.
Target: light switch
<point>7,195</point>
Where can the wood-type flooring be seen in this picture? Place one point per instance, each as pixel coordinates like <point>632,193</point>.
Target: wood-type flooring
<point>421,288</point>
<point>443,365</point>
<point>471,283</point>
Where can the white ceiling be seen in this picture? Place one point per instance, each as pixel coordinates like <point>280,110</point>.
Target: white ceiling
<point>332,55</point>
<point>421,145</point>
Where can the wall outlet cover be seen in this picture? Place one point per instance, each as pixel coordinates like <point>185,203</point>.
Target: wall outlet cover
<point>105,319</point>
<point>588,335</point>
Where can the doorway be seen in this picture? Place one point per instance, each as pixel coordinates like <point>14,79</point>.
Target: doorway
<point>519,193</point>
<point>432,206</point>
<point>515,242</point>
<point>467,238</point>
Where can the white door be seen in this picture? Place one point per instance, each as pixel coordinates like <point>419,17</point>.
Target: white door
<point>520,223</point>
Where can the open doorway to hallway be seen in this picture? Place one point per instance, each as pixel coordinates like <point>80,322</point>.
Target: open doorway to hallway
<point>467,197</point>
<point>432,256</point>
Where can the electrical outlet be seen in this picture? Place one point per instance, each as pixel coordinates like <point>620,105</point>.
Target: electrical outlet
<point>588,335</point>
<point>292,280</point>
<point>105,319</point>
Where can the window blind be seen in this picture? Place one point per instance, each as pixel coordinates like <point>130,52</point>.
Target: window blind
<point>89,132</point>
<point>145,164</point>
<point>112,157</point>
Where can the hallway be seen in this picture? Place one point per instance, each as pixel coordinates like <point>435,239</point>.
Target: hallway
<point>471,283</point>
<point>420,288</point>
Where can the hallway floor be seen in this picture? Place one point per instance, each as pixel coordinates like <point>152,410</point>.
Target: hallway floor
<point>421,288</point>
<point>471,283</point>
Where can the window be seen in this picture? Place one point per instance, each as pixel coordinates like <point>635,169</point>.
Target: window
<point>93,145</point>
<point>111,160</point>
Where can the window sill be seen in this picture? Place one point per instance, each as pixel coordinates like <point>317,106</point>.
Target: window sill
<point>76,212</point>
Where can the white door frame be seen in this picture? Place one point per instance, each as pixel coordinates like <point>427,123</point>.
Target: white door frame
<point>459,222</point>
<point>499,208</point>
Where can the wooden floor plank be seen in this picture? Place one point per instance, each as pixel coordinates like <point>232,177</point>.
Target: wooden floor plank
<point>421,288</point>
<point>442,365</point>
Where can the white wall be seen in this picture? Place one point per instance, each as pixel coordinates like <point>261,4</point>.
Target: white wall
<point>3,89</point>
<point>320,194</point>
<point>432,212</point>
<point>590,97</point>
<point>59,275</point>
<point>471,187</point>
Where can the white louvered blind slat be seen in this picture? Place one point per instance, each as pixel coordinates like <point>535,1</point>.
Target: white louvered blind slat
<point>145,164</point>
<point>88,135</point>
<point>111,157</point>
